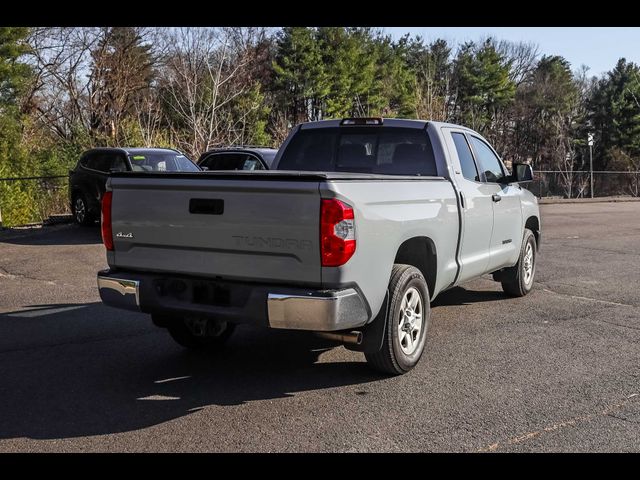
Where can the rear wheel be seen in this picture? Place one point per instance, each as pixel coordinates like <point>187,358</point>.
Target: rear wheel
<point>200,333</point>
<point>81,212</point>
<point>407,322</point>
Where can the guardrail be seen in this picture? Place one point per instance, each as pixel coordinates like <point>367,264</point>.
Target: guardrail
<point>25,200</point>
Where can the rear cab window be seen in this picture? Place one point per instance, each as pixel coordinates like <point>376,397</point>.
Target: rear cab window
<point>376,149</point>
<point>231,161</point>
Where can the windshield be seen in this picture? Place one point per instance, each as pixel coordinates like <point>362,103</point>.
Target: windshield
<point>161,162</point>
<point>382,150</point>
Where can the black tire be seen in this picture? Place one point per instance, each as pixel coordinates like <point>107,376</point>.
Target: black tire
<point>207,340</point>
<point>514,279</point>
<point>392,358</point>
<point>81,213</point>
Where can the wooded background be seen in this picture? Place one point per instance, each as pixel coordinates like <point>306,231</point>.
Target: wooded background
<point>63,90</point>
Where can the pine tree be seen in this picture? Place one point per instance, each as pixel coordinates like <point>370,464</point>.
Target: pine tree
<point>300,79</point>
<point>16,198</point>
<point>615,115</point>
<point>483,85</point>
<point>14,73</point>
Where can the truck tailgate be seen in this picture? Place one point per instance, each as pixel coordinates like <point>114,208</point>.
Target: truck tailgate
<point>229,226</point>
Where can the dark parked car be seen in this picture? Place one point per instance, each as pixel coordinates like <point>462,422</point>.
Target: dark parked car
<point>238,158</point>
<point>87,180</point>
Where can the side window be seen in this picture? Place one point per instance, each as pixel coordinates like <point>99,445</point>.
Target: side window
<point>252,163</point>
<point>489,162</point>
<point>102,162</point>
<point>469,170</point>
<point>92,161</point>
<point>117,163</point>
<point>222,161</point>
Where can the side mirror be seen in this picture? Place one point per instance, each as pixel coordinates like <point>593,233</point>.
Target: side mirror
<point>522,173</point>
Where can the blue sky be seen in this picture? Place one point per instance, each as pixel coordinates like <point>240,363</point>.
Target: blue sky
<point>597,47</point>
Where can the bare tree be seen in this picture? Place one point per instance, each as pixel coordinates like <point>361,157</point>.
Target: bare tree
<point>522,56</point>
<point>201,79</point>
<point>83,85</point>
<point>60,90</point>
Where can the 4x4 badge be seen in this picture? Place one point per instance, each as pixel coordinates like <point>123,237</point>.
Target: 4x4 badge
<point>124,235</point>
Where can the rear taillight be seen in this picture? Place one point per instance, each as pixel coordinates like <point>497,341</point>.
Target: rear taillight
<point>337,233</point>
<point>107,234</point>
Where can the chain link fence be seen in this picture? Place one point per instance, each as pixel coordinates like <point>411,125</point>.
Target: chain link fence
<point>25,200</point>
<point>555,183</point>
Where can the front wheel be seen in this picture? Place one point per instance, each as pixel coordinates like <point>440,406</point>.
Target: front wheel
<point>200,333</point>
<point>407,322</point>
<point>518,280</point>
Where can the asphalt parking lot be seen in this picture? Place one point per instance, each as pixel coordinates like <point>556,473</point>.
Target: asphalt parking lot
<point>558,370</point>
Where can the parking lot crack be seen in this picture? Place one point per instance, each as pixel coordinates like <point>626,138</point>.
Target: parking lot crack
<point>636,422</point>
<point>86,340</point>
<point>619,252</point>
<point>4,273</point>
<point>608,411</point>
<point>580,297</point>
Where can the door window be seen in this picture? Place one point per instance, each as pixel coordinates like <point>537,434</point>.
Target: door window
<point>489,163</point>
<point>468,165</point>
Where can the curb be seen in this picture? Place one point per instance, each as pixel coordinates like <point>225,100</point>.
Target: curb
<point>552,201</point>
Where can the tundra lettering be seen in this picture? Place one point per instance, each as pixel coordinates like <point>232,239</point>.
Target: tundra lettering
<point>272,242</point>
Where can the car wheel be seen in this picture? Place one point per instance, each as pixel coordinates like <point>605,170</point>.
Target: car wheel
<point>81,213</point>
<point>408,319</point>
<point>200,333</point>
<point>518,280</point>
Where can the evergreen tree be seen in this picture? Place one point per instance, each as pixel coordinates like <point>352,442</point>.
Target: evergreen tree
<point>300,80</point>
<point>396,77</point>
<point>431,66</point>
<point>16,198</point>
<point>547,104</point>
<point>615,115</point>
<point>483,85</point>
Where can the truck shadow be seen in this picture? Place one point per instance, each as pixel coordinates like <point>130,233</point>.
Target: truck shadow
<point>80,370</point>
<point>462,296</point>
<point>68,234</point>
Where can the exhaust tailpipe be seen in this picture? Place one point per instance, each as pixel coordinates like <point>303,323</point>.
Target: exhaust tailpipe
<point>354,338</point>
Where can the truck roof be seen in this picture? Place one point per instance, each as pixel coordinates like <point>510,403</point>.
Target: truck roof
<point>391,122</point>
<point>133,150</point>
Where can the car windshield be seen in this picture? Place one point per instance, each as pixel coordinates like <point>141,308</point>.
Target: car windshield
<point>379,150</point>
<point>161,162</point>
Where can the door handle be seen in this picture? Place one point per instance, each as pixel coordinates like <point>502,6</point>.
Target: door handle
<point>495,197</point>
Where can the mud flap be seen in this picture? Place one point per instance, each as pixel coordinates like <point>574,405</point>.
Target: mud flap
<point>373,333</point>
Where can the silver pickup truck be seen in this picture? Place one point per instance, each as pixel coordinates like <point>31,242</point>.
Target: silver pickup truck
<point>361,224</point>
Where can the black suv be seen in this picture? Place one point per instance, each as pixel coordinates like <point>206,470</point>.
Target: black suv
<point>238,158</point>
<point>87,180</point>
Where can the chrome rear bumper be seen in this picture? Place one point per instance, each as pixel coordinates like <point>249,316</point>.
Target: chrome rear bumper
<point>119,292</point>
<point>286,307</point>
<point>341,310</point>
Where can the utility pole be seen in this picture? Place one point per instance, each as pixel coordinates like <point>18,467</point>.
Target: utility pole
<point>590,142</point>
